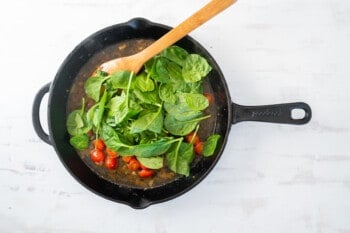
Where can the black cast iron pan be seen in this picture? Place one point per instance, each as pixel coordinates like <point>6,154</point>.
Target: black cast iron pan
<point>224,114</point>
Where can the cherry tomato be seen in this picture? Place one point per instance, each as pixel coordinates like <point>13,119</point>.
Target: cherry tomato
<point>111,153</point>
<point>198,148</point>
<point>194,139</point>
<point>209,97</point>
<point>145,173</point>
<point>127,158</point>
<point>111,162</point>
<point>134,165</point>
<point>99,144</point>
<point>97,156</point>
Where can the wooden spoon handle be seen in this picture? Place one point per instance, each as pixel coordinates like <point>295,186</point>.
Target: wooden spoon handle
<point>201,16</point>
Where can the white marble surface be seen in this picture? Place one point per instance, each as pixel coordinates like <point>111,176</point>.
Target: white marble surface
<point>271,178</point>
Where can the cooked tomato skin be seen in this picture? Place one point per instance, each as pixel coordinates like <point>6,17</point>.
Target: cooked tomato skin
<point>146,173</point>
<point>97,156</point>
<point>111,163</point>
<point>111,153</point>
<point>99,144</point>
<point>198,148</point>
<point>209,97</point>
<point>127,158</point>
<point>191,137</point>
<point>134,164</point>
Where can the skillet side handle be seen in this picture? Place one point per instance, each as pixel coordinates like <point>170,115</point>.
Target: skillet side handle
<point>277,113</point>
<point>35,114</point>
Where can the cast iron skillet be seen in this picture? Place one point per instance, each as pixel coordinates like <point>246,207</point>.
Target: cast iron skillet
<point>226,114</point>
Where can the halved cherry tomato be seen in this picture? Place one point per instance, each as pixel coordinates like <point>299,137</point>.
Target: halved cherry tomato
<point>111,162</point>
<point>97,156</point>
<point>192,138</point>
<point>145,173</point>
<point>111,153</point>
<point>209,97</point>
<point>99,144</point>
<point>134,164</point>
<point>198,148</point>
<point>127,158</point>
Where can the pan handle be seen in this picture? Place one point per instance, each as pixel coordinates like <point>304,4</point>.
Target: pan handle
<point>277,113</point>
<point>35,113</point>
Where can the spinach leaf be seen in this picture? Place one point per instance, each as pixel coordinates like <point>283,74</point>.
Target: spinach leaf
<point>176,54</point>
<point>157,125</point>
<point>175,72</point>
<point>120,79</point>
<point>80,142</point>
<point>148,149</point>
<point>77,123</point>
<point>148,121</point>
<point>160,71</point>
<point>194,68</point>
<point>151,162</point>
<point>90,116</point>
<point>101,108</point>
<point>113,104</point>
<point>167,93</point>
<point>149,97</point>
<point>111,138</point>
<point>144,83</point>
<point>181,128</point>
<point>180,157</point>
<point>93,86</point>
<point>210,145</point>
<point>181,112</point>
<point>196,102</point>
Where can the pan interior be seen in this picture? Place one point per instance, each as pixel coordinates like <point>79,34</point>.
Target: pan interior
<point>81,63</point>
<point>122,176</point>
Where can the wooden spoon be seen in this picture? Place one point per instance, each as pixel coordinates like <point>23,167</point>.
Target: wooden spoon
<point>135,62</point>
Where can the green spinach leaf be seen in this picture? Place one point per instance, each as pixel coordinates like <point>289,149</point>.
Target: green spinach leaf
<point>167,93</point>
<point>77,123</point>
<point>175,54</point>
<point>148,121</point>
<point>151,162</point>
<point>149,97</point>
<point>210,145</point>
<point>196,102</point>
<point>120,79</point>
<point>181,128</point>
<point>80,142</point>
<point>181,112</point>
<point>144,83</point>
<point>180,157</point>
<point>195,67</point>
<point>93,86</point>
<point>148,149</point>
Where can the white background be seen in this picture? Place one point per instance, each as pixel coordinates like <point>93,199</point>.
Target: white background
<point>271,178</point>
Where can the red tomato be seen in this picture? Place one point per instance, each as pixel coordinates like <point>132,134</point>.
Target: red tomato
<point>99,144</point>
<point>190,138</point>
<point>111,153</point>
<point>111,163</point>
<point>145,173</point>
<point>198,148</point>
<point>134,165</point>
<point>209,97</point>
<point>127,158</point>
<point>97,156</point>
